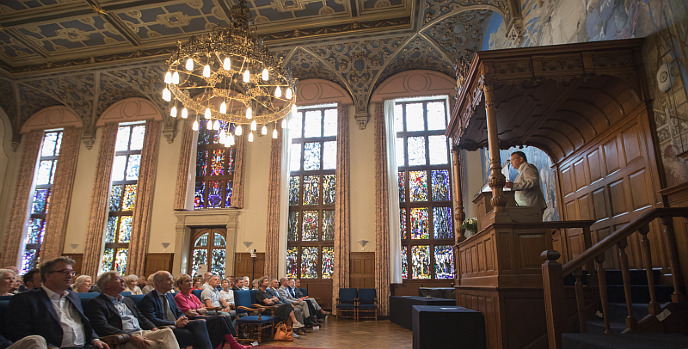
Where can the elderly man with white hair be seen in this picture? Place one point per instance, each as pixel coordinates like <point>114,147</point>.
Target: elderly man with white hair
<point>7,277</point>
<point>110,313</point>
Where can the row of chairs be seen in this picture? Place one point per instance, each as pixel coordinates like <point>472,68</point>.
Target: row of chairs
<point>357,304</point>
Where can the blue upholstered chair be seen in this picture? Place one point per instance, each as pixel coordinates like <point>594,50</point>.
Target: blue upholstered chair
<point>197,293</point>
<point>366,306</point>
<point>85,297</point>
<point>346,303</point>
<point>250,320</point>
<point>137,298</point>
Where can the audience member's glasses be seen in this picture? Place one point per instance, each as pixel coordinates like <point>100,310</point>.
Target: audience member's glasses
<point>65,272</point>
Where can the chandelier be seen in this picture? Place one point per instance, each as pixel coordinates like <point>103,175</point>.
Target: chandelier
<point>228,78</point>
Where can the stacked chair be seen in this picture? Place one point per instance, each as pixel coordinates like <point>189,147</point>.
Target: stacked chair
<point>357,303</point>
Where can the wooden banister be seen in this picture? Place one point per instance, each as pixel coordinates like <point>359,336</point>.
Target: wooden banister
<point>553,273</point>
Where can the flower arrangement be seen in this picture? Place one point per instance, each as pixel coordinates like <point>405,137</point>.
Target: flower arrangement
<point>470,224</point>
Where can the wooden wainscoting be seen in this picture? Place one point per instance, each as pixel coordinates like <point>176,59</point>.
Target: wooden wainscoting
<point>410,287</point>
<point>362,270</point>
<point>244,265</point>
<point>78,260</point>
<point>157,261</point>
<point>321,290</point>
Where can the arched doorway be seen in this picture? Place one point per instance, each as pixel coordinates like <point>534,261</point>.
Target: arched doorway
<point>208,247</point>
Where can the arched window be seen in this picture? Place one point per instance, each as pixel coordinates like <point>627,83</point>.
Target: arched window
<point>214,170</point>
<point>124,181</point>
<point>40,201</point>
<point>208,247</point>
<point>310,236</point>
<point>422,156</point>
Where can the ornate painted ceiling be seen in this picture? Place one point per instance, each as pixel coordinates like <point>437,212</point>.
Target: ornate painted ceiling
<point>88,54</point>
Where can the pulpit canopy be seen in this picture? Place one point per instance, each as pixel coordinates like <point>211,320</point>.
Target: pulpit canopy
<point>556,98</point>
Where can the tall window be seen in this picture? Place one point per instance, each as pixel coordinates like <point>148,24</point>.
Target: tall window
<point>40,202</point>
<point>208,248</point>
<point>124,181</point>
<point>214,170</point>
<point>310,237</point>
<point>422,156</point>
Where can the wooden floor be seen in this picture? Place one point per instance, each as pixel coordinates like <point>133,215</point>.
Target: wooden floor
<point>381,334</point>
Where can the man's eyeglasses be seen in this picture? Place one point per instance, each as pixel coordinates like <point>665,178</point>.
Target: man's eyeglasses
<point>65,272</point>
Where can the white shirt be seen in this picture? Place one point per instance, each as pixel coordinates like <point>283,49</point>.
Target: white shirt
<point>211,293</point>
<point>228,296</point>
<point>129,321</point>
<point>73,334</point>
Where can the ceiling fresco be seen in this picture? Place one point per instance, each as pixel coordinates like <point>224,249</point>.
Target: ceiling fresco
<point>88,54</point>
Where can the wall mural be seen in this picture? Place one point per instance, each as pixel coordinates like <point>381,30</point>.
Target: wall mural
<point>665,55</point>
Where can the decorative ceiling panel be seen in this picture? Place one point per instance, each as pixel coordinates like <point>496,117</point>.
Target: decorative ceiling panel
<point>75,91</point>
<point>74,34</point>
<point>19,5</point>
<point>460,35</point>
<point>32,101</point>
<point>417,54</point>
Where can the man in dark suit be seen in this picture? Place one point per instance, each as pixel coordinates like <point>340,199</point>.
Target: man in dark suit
<point>65,324</point>
<point>160,308</point>
<point>110,313</point>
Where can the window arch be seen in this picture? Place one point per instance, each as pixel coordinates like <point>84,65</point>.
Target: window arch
<point>312,183</point>
<point>208,247</point>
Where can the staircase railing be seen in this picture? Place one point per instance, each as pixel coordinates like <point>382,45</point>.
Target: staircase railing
<point>553,273</point>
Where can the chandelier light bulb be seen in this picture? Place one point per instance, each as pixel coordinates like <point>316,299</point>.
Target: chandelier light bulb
<point>223,108</point>
<point>238,131</point>
<point>173,112</point>
<point>166,95</point>
<point>254,126</point>
<point>293,109</point>
<point>265,75</point>
<point>274,133</point>
<point>284,123</point>
<point>227,64</point>
<point>289,93</point>
<point>206,71</point>
<point>223,136</point>
<point>247,76</point>
<point>175,78</point>
<point>185,113</point>
<point>249,113</point>
<point>216,125</point>
<point>195,125</point>
<point>209,125</point>
<point>250,137</point>
<point>278,92</point>
<point>168,78</point>
<point>207,113</point>
<point>264,130</point>
<point>230,140</point>
<point>189,64</point>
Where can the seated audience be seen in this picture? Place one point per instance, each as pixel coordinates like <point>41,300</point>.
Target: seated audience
<point>161,309</point>
<point>281,288</point>
<point>211,297</point>
<point>255,284</point>
<point>247,282</point>
<point>132,285</point>
<point>16,285</point>
<point>32,279</point>
<point>71,328</point>
<point>82,284</point>
<point>149,284</point>
<point>142,283</point>
<point>7,277</point>
<point>298,312</point>
<point>226,292</point>
<point>238,284</point>
<point>231,280</point>
<point>295,285</point>
<point>219,327</point>
<point>110,313</point>
<point>28,342</point>
<point>197,283</point>
<point>283,312</point>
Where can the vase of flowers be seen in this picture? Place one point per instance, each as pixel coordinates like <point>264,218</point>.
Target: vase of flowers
<point>470,226</point>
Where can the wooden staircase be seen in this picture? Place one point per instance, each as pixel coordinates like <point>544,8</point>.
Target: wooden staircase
<point>621,301</point>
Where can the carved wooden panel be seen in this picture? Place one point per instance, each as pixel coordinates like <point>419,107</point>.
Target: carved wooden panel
<point>244,265</point>
<point>594,165</point>
<point>579,172</point>
<point>486,302</point>
<point>617,195</point>
<point>362,270</point>
<point>321,290</point>
<point>612,156</point>
<point>158,261</point>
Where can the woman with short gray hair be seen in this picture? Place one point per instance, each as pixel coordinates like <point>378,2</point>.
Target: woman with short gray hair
<point>7,277</point>
<point>131,281</point>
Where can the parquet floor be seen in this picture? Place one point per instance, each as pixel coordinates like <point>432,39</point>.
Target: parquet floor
<point>347,334</point>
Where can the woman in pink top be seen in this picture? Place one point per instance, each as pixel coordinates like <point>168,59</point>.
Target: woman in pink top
<point>220,329</point>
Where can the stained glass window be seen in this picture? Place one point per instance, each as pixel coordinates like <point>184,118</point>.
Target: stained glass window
<point>123,184</point>
<point>40,200</point>
<point>208,248</point>
<point>214,170</point>
<point>422,154</point>
<point>312,187</point>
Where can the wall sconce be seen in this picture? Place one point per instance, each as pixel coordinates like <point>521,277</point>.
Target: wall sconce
<point>363,243</point>
<point>164,246</point>
<point>248,244</point>
<point>74,246</point>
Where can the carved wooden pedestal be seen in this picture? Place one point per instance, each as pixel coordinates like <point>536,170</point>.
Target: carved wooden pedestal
<point>500,275</point>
